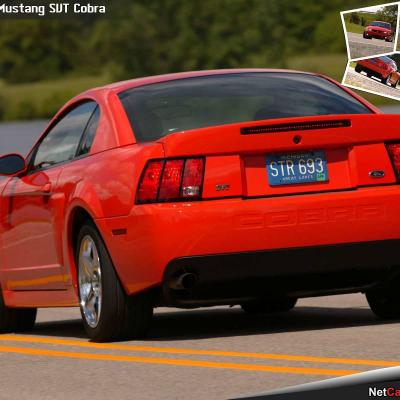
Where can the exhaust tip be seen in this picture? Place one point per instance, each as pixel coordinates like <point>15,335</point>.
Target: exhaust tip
<point>185,281</point>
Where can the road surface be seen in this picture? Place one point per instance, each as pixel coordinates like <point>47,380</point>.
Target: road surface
<point>361,81</point>
<point>360,47</point>
<point>219,353</point>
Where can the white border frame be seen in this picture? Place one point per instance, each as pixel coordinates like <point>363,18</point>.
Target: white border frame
<point>363,8</point>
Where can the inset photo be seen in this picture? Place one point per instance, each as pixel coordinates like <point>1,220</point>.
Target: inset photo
<point>377,75</point>
<point>370,31</point>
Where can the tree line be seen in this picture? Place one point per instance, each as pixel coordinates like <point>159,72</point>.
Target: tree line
<point>144,37</point>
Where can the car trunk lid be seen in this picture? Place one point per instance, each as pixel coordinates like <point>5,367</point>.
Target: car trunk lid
<point>239,156</point>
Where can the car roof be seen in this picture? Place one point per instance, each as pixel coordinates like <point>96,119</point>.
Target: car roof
<point>118,87</point>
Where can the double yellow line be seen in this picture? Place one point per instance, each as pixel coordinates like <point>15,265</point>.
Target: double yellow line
<point>184,362</point>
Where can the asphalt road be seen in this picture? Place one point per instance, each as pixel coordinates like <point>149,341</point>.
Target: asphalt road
<point>360,47</point>
<point>362,81</point>
<point>216,353</point>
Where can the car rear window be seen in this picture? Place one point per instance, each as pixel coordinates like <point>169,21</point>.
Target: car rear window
<point>159,109</point>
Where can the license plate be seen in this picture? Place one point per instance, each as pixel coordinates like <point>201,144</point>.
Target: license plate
<point>297,168</point>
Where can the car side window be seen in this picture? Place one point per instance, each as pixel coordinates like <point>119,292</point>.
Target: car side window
<point>90,133</point>
<point>62,141</point>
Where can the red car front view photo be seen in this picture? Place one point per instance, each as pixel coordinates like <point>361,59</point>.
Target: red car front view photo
<point>379,30</point>
<point>226,187</point>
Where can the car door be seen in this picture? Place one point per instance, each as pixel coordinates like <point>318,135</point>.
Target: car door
<point>33,207</point>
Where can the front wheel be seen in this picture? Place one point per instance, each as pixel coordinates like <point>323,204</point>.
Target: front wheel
<point>271,305</point>
<point>107,312</point>
<point>385,80</point>
<point>358,68</point>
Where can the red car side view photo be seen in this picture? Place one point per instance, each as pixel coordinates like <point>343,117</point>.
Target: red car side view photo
<point>229,187</point>
<point>379,30</point>
<point>383,68</point>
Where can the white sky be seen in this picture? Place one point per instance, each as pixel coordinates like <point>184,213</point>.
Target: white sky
<point>372,9</point>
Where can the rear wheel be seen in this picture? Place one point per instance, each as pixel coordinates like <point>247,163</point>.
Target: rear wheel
<point>385,302</point>
<point>271,305</point>
<point>107,312</point>
<point>16,319</point>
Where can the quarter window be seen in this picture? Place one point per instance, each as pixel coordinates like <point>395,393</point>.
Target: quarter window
<point>62,141</point>
<point>90,133</point>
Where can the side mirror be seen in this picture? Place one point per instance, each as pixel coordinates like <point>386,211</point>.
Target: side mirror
<point>12,164</point>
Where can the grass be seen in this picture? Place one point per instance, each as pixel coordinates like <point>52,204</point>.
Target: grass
<point>42,99</point>
<point>354,28</point>
<point>332,65</point>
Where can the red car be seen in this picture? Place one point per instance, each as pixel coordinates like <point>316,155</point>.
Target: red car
<point>379,30</point>
<point>250,187</point>
<point>381,67</point>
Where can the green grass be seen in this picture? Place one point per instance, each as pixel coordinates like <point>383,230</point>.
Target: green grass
<point>354,28</point>
<point>42,99</point>
<point>332,65</point>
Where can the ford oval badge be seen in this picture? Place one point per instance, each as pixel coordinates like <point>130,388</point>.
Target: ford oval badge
<point>377,173</point>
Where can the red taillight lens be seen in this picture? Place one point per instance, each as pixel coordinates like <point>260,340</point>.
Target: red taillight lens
<point>171,180</point>
<point>394,153</point>
<point>150,182</point>
<point>192,178</point>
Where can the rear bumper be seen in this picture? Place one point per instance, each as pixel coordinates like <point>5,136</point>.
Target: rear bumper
<point>298,272</point>
<point>158,235</point>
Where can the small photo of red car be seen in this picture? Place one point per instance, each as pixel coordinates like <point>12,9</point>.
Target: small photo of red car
<point>383,68</point>
<point>379,30</point>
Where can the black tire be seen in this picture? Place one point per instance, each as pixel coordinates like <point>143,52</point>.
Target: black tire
<point>16,319</point>
<point>358,68</point>
<point>365,36</point>
<point>369,75</point>
<point>272,305</point>
<point>394,85</point>
<point>385,302</point>
<point>389,39</point>
<point>121,316</point>
<point>385,80</point>
<point>26,318</point>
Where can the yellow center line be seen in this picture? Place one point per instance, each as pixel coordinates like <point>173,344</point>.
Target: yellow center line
<point>169,350</point>
<point>176,362</point>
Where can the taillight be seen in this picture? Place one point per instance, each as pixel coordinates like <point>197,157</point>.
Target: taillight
<point>150,182</point>
<point>394,153</point>
<point>171,180</point>
<point>192,178</point>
